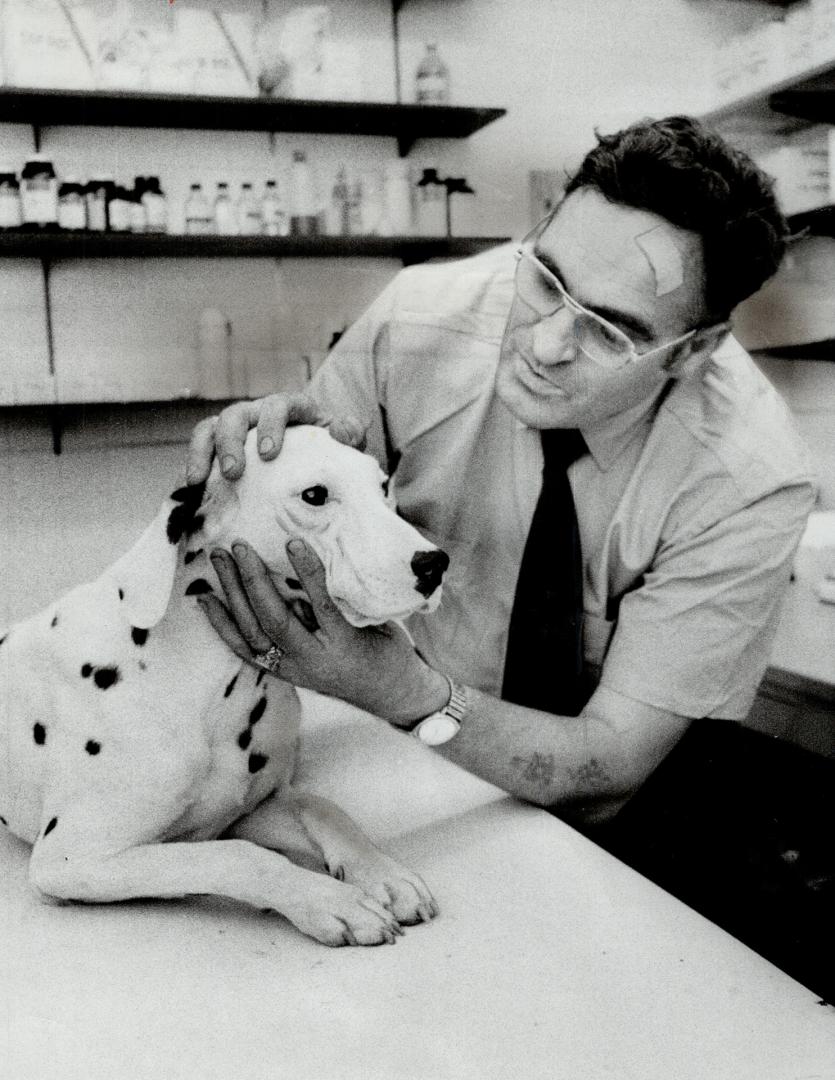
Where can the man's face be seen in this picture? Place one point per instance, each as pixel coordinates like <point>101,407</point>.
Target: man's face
<point>634,269</point>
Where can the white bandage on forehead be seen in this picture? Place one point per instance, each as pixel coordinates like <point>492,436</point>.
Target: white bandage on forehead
<point>664,257</point>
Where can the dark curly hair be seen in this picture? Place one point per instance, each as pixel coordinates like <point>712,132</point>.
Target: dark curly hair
<point>683,172</point>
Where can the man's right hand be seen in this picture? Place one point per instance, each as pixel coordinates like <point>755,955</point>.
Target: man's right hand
<point>224,436</point>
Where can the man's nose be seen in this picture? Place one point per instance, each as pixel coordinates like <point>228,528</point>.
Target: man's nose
<point>429,567</point>
<point>554,341</point>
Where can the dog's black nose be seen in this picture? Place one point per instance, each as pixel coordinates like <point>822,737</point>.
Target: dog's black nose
<point>429,567</point>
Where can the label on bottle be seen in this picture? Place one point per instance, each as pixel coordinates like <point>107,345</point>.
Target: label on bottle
<point>39,200</point>
<point>156,216</point>
<point>431,90</point>
<point>119,215</point>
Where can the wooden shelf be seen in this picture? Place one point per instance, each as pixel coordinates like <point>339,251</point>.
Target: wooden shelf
<point>406,123</point>
<point>68,245</point>
<point>780,105</point>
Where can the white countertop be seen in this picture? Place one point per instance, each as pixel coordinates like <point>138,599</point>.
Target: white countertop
<point>549,959</point>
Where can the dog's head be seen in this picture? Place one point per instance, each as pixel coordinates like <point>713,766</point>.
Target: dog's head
<point>332,496</point>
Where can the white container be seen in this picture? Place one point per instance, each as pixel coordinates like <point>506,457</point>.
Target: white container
<point>248,208</point>
<point>197,212</point>
<point>10,210</point>
<point>431,208</point>
<point>156,206</point>
<point>276,221</point>
<point>304,207</point>
<point>39,192</point>
<point>398,196</point>
<point>225,214</point>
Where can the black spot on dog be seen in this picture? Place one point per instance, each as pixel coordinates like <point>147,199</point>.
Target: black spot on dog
<point>39,734</point>
<point>50,826</point>
<point>139,636</point>
<point>105,677</point>
<point>92,747</point>
<point>54,620</point>
<point>257,762</point>
<point>293,583</point>
<point>121,594</point>
<point>3,638</point>
<point>192,555</point>
<point>198,587</point>
<point>258,711</point>
<point>86,671</point>
<point>262,674</point>
<point>184,519</point>
<point>244,739</point>
<point>231,685</point>
<point>143,666</point>
<point>3,820</point>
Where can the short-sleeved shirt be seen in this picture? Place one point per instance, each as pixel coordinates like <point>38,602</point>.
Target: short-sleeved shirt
<point>690,506</point>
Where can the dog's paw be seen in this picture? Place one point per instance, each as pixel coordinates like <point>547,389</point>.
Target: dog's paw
<point>404,893</point>
<point>338,913</point>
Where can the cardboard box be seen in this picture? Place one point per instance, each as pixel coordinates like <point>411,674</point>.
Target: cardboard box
<point>42,47</point>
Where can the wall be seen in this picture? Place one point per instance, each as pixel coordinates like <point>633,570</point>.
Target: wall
<point>560,67</point>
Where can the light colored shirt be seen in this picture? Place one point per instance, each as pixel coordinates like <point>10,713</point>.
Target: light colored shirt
<point>690,506</point>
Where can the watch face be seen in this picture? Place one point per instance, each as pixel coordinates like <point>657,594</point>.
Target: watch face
<point>437,729</point>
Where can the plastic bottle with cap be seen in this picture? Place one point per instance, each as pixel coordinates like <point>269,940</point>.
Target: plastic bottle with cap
<point>398,199</point>
<point>431,204</point>
<point>97,197</point>
<point>197,212</point>
<point>250,222</point>
<point>225,212</point>
<point>118,209</point>
<point>10,209</point>
<point>432,79</point>
<point>273,211</point>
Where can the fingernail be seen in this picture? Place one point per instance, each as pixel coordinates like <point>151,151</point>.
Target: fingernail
<point>297,547</point>
<point>240,550</point>
<point>266,445</point>
<point>218,555</point>
<point>229,463</point>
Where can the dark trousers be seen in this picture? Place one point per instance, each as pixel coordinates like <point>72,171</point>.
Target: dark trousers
<point>741,827</point>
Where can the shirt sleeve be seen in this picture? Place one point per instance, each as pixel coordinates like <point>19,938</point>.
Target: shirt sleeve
<point>696,636</point>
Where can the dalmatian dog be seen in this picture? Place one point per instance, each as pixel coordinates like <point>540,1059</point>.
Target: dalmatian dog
<point>141,758</point>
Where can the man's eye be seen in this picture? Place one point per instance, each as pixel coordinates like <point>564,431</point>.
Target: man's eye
<point>315,496</point>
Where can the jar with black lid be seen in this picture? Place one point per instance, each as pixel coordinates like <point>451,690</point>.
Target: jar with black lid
<point>39,194</point>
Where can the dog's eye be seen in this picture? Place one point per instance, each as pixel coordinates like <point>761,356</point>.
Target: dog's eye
<point>315,496</point>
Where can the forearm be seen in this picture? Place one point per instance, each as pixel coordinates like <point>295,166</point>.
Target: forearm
<point>579,763</point>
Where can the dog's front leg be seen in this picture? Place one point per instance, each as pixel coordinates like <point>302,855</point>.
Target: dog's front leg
<point>298,822</point>
<point>333,912</point>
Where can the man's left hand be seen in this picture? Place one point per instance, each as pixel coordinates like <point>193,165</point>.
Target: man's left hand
<point>375,668</point>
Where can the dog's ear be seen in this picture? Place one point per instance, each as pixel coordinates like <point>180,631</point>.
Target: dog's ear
<point>145,574</point>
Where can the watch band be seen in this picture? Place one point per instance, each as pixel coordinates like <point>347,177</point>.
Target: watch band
<point>439,727</point>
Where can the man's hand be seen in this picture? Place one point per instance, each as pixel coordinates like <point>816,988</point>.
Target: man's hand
<point>225,435</point>
<point>375,668</point>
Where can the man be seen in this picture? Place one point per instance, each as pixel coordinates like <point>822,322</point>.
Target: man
<point>691,489</point>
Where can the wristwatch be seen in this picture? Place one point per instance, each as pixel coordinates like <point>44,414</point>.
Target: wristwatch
<point>439,727</point>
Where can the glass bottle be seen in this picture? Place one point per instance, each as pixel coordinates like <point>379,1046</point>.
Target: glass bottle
<point>72,208</point>
<point>273,211</point>
<point>432,79</point>
<point>97,196</point>
<point>355,207</point>
<point>10,213</point>
<point>304,217</point>
<point>225,213</point>
<point>337,216</point>
<point>39,193</point>
<point>197,212</point>
<point>156,206</point>
<point>250,222</point>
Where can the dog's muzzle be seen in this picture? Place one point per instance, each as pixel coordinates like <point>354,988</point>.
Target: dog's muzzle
<point>270,659</point>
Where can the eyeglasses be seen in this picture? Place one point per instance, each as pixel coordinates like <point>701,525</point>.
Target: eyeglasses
<point>596,337</point>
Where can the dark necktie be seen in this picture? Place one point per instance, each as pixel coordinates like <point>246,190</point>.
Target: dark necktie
<point>544,659</point>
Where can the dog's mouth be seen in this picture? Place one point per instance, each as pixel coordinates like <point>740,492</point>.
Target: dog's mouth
<point>358,618</point>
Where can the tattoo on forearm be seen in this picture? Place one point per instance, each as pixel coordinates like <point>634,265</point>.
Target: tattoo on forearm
<point>538,769</point>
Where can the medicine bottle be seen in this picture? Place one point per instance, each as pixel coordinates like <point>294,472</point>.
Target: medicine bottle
<point>336,218</point>
<point>273,211</point>
<point>225,214</point>
<point>156,206</point>
<point>249,212</point>
<point>398,199</point>
<point>304,216</point>
<point>10,212</point>
<point>39,194</point>
<point>197,212</point>
<point>72,206</point>
<point>118,209</point>
<point>97,197</point>
<point>432,79</point>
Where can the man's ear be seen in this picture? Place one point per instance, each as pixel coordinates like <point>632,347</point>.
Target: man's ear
<point>690,357</point>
